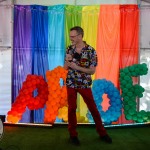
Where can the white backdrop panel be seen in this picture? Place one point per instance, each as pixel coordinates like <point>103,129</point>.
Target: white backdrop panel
<point>5,80</point>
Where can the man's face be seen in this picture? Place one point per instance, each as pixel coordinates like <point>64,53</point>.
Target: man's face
<point>75,37</point>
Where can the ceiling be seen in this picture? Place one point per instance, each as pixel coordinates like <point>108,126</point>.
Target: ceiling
<point>148,1</point>
<point>2,0</point>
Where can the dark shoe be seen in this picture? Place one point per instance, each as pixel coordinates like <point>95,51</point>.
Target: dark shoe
<point>74,140</point>
<point>106,139</point>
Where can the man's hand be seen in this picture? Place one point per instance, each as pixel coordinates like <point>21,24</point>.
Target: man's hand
<point>68,57</point>
<point>73,65</point>
<point>69,63</point>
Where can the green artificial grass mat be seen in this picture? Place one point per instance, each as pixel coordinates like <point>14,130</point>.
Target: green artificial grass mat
<point>56,138</point>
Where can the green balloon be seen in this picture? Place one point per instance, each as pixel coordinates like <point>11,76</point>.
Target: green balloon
<point>140,95</point>
<point>132,98</point>
<point>121,70</point>
<point>134,117</point>
<point>141,89</point>
<point>131,112</point>
<point>143,112</point>
<point>137,70</point>
<point>145,118</point>
<point>134,102</point>
<point>135,66</point>
<point>122,86</point>
<point>139,115</point>
<point>126,70</point>
<point>128,86</point>
<point>148,113</point>
<point>133,74</point>
<point>131,68</point>
<point>122,74</point>
<point>140,120</point>
<point>131,103</point>
<point>130,94</point>
<point>125,90</point>
<point>125,103</point>
<point>128,117</point>
<point>144,65</point>
<point>123,82</point>
<point>126,107</point>
<point>145,72</point>
<point>127,78</point>
<point>126,98</point>
<point>136,91</point>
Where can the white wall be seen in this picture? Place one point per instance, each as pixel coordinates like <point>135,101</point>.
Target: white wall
<point>5,23</point>
<point>145,53</point>
<point>5,55</point>
<point>145,28</point>
<point>5,80</point>
<point>145,25</point>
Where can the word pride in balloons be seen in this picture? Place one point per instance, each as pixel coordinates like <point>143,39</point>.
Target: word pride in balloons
<point>53,95</point>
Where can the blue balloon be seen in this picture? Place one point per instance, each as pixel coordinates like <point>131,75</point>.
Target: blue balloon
<point>103,86</point>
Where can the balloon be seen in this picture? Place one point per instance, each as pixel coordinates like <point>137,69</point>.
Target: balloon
<point>115,100</point>
<point>130,92</point>
<point>26,98</point>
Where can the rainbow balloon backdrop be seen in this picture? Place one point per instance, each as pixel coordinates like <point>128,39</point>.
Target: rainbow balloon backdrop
<point>41,34</point>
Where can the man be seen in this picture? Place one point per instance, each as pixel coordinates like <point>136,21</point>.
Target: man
<point>81,61</point>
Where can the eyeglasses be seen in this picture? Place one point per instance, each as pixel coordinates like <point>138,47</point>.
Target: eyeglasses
<point>74,36</point>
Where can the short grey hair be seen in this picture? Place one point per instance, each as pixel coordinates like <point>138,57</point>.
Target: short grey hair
<point>78,29</point>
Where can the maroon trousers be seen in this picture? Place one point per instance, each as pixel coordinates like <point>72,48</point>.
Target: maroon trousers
<point>72,105</point>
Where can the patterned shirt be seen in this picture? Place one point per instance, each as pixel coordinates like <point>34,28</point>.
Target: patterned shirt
<point>87,58</point>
